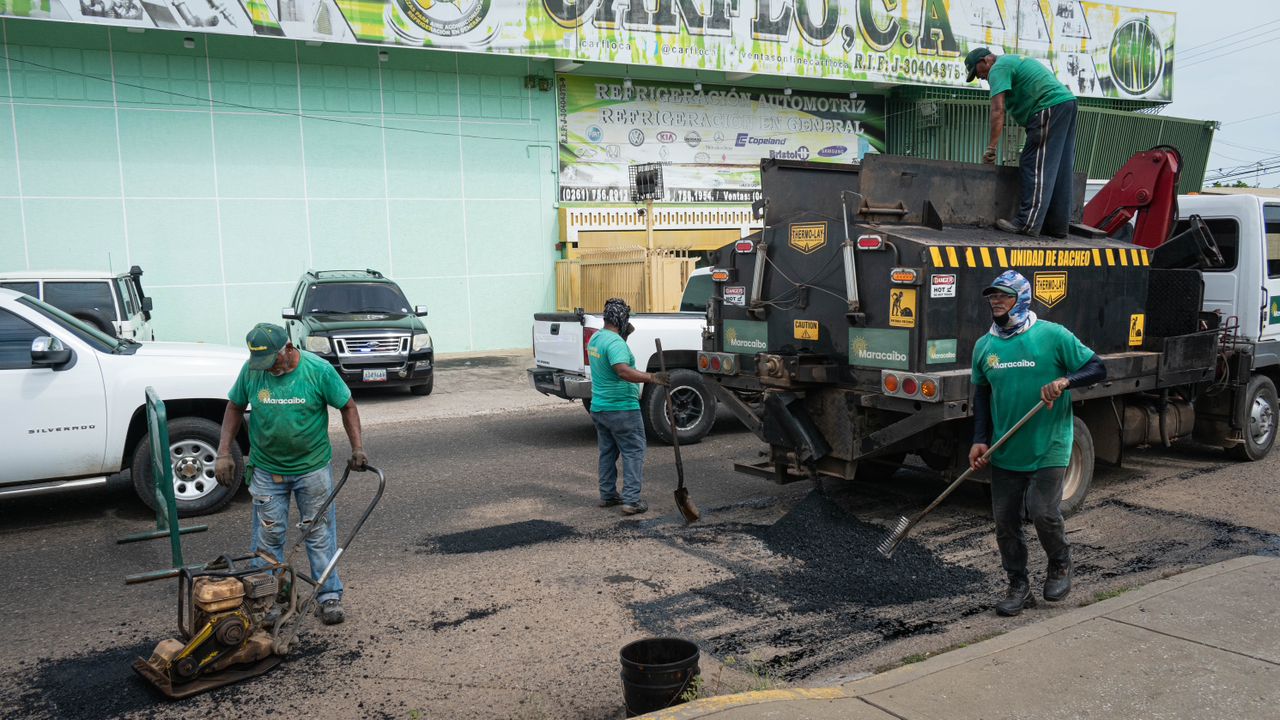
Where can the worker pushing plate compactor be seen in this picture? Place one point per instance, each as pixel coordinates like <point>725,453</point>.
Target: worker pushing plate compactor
<point>239,616</point>
<point>855,310</point>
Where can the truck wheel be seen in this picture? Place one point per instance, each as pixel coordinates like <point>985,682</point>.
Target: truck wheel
<point>695,408</point>
<point>1079,475</point>
<point>193,447</point>
<point>425,388</point>
<point>1259,421</point>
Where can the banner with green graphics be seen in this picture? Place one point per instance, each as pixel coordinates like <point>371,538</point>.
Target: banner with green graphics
<point>1098,49</point>
<point>709,140</point>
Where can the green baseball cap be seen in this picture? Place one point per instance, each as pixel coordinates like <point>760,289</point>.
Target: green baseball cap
<point>971,61</point>
<point>265,342</point>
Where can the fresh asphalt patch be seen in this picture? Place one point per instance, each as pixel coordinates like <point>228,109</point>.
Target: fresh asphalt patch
<point>498,537</point>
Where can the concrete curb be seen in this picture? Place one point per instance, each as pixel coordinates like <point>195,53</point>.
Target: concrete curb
<point>908,673</point>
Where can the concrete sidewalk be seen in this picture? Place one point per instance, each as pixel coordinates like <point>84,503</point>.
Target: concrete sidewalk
<point>1203,644</point>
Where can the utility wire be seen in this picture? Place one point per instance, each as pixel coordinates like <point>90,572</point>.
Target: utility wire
<point>1216,56</point>
<point>1228,37</point>
<point>1225,41</point>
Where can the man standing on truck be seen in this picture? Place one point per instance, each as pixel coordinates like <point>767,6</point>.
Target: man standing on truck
<point>1022,360</point>
<point>615,409</point>
<point>291,391</point>
<point>1047,109</point>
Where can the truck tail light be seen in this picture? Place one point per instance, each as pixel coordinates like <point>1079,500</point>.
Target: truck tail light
<point>715,364</point>
<point>907,385</point>
<point>910,386</point>
<point>721,275</point>
<point>586,340</point>
<point>870,242</point>
<point>720,363</point>
<point>703,363</point>
<point>929,389</point>
<point>727,365</point>
<point>891,384</point>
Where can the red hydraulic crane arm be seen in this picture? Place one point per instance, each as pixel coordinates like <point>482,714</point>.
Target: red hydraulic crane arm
<point>1147,186</point>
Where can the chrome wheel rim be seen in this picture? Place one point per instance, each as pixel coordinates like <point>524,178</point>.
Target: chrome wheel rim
<point>688,407</point>
<point>1075,473</point>
<point>193,476</point>
<point>1262,421</point>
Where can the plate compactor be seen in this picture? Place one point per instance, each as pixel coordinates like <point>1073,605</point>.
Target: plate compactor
<point>239,616</point>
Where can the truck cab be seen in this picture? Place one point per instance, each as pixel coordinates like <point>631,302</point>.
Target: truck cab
<point>114,303</point>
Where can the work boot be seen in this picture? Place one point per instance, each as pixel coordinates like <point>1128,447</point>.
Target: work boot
<point>610,502</point>
<point>1005,226</point>
<point>636,509</point>
<point>1015,598</point>
<point>1057,582</point>
<point>330,612</point>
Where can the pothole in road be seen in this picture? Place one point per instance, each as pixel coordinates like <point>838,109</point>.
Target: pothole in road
<point>498,537</point>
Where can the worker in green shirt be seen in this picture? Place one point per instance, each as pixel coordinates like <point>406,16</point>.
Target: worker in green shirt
<point>615,408</point>
<point>1020,361</point>
<point>1028,91</point>
<point>291,391</point>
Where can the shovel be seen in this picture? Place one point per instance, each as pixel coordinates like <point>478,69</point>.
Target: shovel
<point>683,501</point>
<point>903,526</point>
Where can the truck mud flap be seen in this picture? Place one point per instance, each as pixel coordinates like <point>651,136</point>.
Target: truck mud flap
<point>787,424</point>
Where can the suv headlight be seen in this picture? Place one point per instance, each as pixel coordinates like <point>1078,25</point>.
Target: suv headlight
<point>421,341</point>
<point>318,344</point>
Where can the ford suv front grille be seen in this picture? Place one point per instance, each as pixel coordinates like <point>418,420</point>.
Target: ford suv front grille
<point>367,345</point>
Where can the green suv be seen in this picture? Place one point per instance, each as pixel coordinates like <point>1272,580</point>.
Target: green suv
<point>361,322</point>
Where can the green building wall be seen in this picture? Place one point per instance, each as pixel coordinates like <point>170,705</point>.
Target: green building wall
<point>228,169</point>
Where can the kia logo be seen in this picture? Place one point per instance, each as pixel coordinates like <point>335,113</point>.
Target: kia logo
<point>666,136</point>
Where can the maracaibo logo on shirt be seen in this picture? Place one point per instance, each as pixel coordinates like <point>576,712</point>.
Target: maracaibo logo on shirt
<point>264,398</point>
<point>993,362</point>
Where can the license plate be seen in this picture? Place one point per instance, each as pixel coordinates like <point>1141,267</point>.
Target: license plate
<point>378,375</point>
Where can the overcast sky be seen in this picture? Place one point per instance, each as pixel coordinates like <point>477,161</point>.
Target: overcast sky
<point>1227,68</point>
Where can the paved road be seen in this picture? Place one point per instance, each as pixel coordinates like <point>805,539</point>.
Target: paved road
<point>488,584</point>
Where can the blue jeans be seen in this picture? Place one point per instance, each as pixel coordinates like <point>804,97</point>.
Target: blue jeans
<point>1046,161</point>
<point>271,520</point>
<point>620,432</point>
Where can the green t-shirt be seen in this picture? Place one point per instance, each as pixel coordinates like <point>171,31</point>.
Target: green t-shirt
<point>1016,368</point>
<point>1031,87</point>
<point>608,391</point>
<point>289,427</point>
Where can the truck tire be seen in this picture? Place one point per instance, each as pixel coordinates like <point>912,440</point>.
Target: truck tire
<point>1079,475</point>
<point>1259,421</point>
<point>695,408</point>
<point>193,447</point>
<point>425,388</point>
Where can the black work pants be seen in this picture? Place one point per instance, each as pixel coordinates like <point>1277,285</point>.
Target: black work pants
<point>1039,494</point>
<point>1047,159</point>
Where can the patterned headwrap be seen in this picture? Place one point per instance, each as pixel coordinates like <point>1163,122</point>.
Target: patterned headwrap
<point>1020,316</point>
<point>617,312</point>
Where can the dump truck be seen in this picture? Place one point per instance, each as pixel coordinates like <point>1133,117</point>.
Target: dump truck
<point>855,310</point>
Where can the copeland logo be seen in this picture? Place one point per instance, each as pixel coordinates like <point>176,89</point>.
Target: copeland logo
<point>594,133</point>
<point>636,137</point>
<point>692,138</point>
<point>745,139</point>
<point>666,137</point>
<point>832,151</point>
<point>800,153</point>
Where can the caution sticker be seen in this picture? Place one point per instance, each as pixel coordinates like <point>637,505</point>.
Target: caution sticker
<point>1137,329</point>
<point>902,307</point>
<point>806,329</point>
<point>942,286</point>
<point>735,295</point>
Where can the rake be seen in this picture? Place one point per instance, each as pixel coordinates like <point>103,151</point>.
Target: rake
<point>903,526</point>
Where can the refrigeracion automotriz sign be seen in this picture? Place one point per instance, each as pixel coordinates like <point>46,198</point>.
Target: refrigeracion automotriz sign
<point>1098,49</point>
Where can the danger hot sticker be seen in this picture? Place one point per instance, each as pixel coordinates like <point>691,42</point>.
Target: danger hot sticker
<point>942,286</point>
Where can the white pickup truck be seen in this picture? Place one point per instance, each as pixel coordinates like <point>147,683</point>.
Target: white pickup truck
<point>561,367</point>
<point>75,406</point>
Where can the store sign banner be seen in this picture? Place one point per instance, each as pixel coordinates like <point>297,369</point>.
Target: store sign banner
<point>1099,50</point>
<point>710,141</point>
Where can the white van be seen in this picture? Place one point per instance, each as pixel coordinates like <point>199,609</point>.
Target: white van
<point>111,302</point>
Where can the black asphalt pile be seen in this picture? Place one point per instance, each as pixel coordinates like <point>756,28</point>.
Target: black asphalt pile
<point>95,685</point>
<point>842,566</point>
<point>498,537</point>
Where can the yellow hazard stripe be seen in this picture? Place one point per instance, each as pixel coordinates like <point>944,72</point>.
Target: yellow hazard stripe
<point>1124,258</point>
<point>951,257</point>
<point>968,257</point>
<point>1004,259</point>
<point>1097,257</point>
<point>986,258</point>
<point>1111,258</point>
<point>936,254</point>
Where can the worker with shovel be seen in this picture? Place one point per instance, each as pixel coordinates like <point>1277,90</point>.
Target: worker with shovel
<point>291,391</point>
<point>1022,361</point>
<point>615,409</point>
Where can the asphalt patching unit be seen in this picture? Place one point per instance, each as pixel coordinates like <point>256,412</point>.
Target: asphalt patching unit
<point>498,537</point>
